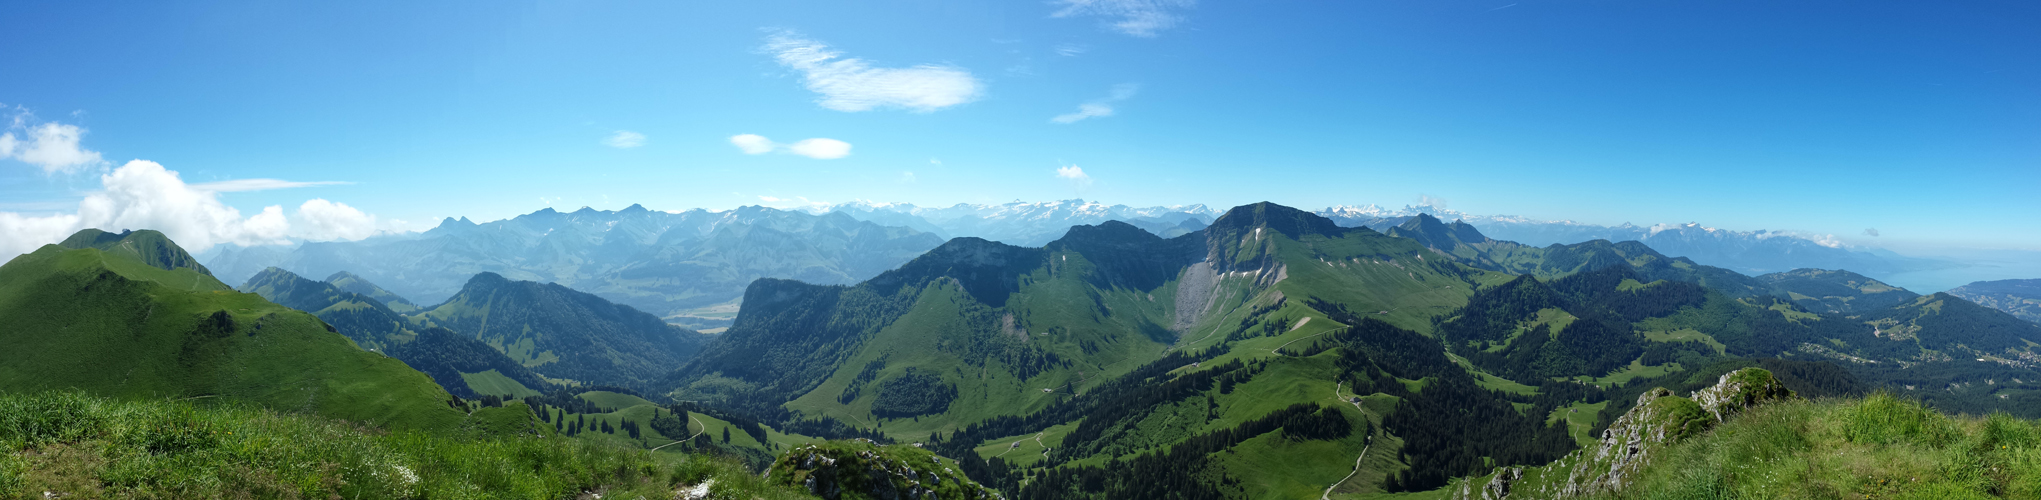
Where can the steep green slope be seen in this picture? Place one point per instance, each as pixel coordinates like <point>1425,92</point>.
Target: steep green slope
<point>563,334</point>
<point>450,358</point>
<point>1835,291</point>
<point>107,322</point>
<point>2020,298</point>
<point>349,282</point>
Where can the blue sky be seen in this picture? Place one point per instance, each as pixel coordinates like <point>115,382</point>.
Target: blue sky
<point>1919,119</point>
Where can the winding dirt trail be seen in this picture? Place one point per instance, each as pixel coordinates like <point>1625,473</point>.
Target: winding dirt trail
<point>690,418</point>
<point>1364,449</point>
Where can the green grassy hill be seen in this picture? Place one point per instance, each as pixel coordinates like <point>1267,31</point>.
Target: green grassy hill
<point>461,364</point>
<point>1823,290</point>
<point>110,323</point>
<point>148,247</point>
<point>567,336</point>
<point>2020,298</point>
<point>349,282</point>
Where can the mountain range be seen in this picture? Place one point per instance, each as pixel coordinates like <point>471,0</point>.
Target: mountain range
<point>1112,342</point>
<point>1752,252</point>
<point>688,267</point>
<point>1024,223</point>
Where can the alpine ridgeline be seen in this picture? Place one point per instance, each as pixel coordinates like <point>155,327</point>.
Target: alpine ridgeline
<point>689,267</point>
<point>565,335</point>
<point>131,315</point>
<point>461,364</point>
<point>1753,252</point>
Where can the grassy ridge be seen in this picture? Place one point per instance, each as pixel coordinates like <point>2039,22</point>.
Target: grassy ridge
<point>112,325</point>
<point>74,444</point>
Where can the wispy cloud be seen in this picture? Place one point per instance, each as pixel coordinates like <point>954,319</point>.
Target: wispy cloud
<point>851,84</point>
<point>1078,179</point>
<point>241,185</point>
<point>1142,18</point>
<point>820,148</point>
<point>1084,111</point>
<point>1871,231</point>
<point>1101,107</point>
<point>624,139</point>
<point>751,144</point>
<point>1070,49</point>
<point>907,177</point>
<point>1502,7</point>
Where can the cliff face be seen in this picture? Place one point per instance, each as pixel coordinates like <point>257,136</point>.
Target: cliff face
<point>1659,420</point>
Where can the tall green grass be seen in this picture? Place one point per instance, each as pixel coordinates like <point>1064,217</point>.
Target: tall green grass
<point>75,444</point>
<point>1878,447</point>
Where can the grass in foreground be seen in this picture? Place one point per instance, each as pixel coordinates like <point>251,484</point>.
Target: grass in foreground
<point>1878,447</point>
<point>86,447</point>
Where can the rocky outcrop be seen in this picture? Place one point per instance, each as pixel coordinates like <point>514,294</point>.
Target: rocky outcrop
<point>859,469</point>
<point>1633,440</point>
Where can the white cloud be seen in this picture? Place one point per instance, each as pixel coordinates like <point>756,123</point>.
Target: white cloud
<point>769,199</point>
<point>820,148</point>
<point>1078,179</point>
<point>1425,200</point>
<point>52,146</point>
<point>752,144</point>
<point>624,139</point>
<point>907,177</point>
<point>1142,18</point>
<point>325,220</point>
<point>851,84</point>
<point>1070,49</point>
<point>1084,111</point>
<point>1099,108</point>
<point>240,185</point>
<point>142,194</point>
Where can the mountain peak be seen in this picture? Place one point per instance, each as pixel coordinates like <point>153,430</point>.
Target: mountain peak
<point>634,208</point>
<point>1289,221</point>
<point>151,247</point>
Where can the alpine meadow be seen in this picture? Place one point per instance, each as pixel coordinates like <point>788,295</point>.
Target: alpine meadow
<point>1032,250</point>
